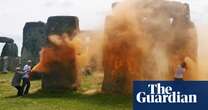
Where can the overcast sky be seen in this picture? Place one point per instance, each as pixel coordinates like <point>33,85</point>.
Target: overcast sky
<point>91,13</point>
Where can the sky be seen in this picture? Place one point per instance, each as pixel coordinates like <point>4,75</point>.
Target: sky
<point>91,13</point>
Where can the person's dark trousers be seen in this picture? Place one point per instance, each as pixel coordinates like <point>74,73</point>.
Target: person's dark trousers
<point>178,79</point>
<point>19,89</point>
<point>25,86</point>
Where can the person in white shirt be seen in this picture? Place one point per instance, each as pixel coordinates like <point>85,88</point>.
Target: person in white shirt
<point>26,80</point>
<point>179,75</point>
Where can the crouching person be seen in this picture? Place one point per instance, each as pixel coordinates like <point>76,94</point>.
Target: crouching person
<point>16,81</point>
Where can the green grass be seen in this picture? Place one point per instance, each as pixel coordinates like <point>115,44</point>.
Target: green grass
<point>46,100</point>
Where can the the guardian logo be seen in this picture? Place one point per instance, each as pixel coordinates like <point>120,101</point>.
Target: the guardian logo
<point>164,94</point>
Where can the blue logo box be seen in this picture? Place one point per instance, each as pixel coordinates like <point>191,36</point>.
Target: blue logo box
<point>170,95</point>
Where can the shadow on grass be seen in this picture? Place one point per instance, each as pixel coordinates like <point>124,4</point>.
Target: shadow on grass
<point>13,96</point>
<point>98,98</point>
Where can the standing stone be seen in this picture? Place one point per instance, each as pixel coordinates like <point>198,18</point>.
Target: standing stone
<point>9,55</point>
<point>34,38</point>
<point>184,44</point>
<point>10,49</point>
<point>62,74</point>
<point>62,24</point>
<point>171,39</point>
<point>5,64</point>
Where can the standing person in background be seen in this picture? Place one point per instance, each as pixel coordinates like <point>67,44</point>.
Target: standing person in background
<point>16,80</point>
<point>26,80</point>
<point>180,72</point>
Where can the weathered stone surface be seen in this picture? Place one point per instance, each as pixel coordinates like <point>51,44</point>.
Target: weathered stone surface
<point>168,27</point>
<point>6,40</point>
<point>9,54</point>
<point>60,63</point>
<point>62,74</point>
<point>34,38</point>
<point>171,28</point>
<point>62,24</point>
<point>10,50</point>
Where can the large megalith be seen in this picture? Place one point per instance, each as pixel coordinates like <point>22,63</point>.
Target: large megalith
<point>9,55</point>
<point>147,40</point>
<point>58,58</point>
<point>34,38</point>
<point>59,25</point>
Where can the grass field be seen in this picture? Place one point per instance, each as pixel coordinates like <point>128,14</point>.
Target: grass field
<point>45,100</point>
